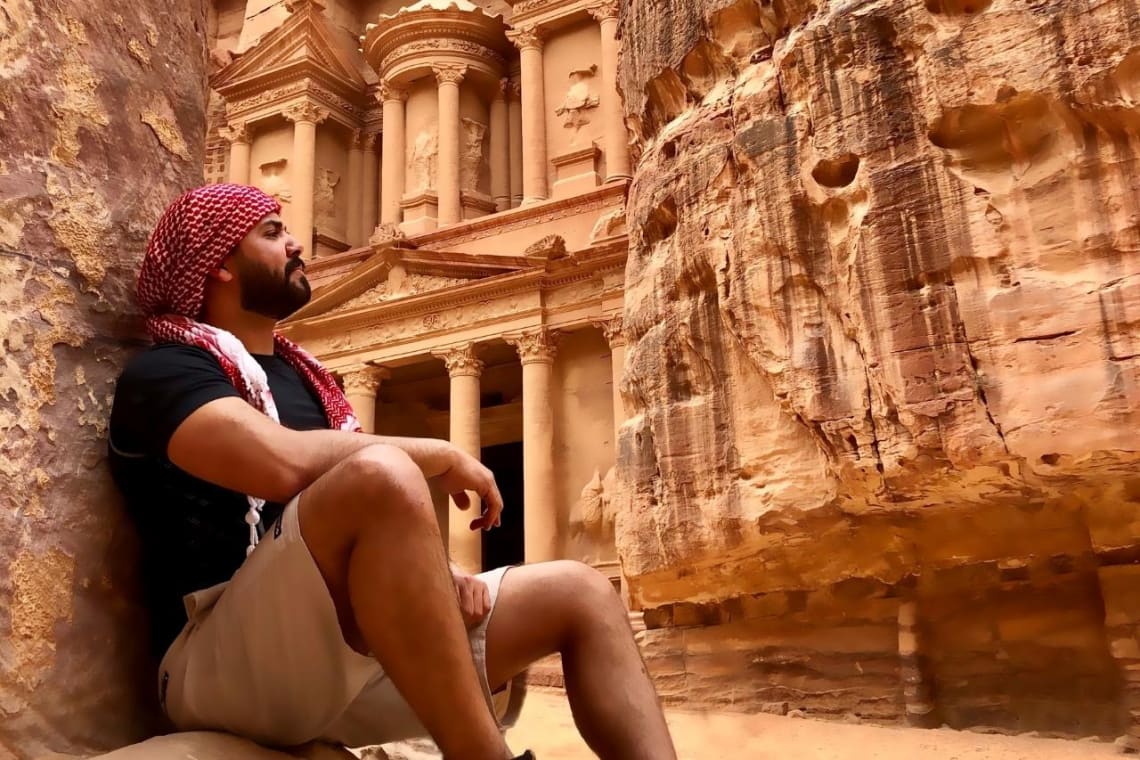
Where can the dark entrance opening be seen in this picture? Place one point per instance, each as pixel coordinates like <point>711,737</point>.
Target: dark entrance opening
<point>506,545</point>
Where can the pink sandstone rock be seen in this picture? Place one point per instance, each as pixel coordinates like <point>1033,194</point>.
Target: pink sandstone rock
<point>883,314</point>
<point>101,124</point>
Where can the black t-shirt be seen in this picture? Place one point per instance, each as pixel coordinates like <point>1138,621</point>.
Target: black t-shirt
<point>193,532</point>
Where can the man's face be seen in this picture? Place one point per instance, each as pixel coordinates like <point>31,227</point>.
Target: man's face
<point>269,270</point>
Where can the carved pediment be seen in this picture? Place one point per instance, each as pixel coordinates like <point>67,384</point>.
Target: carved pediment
<point>413,285</point>
<point>304,39</point>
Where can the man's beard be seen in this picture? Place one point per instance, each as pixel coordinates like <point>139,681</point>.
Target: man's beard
<point>264,292</point>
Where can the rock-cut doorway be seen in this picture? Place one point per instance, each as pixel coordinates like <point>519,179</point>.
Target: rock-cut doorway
<point>506,545</point>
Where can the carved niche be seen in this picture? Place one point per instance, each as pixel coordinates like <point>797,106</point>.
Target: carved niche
<point>422,158</point>
<point>273,180</point>
<point>324,202</point>
<point>579,98</point>
<point>471,154</point>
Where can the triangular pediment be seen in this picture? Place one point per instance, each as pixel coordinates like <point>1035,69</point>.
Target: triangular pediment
<point>303,40</point>
<point>423,272</point>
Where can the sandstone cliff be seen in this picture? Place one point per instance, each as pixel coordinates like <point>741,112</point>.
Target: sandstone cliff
<point>883,305</point>
<point>101,124</point>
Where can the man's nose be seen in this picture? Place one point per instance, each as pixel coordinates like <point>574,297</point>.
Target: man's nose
<point>293,249</point>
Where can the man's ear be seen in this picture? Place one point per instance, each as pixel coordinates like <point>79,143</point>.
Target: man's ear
<point>221,274</point>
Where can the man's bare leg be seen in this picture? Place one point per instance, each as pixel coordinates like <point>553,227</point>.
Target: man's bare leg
<point>370,525</point>
<point>570,608</point>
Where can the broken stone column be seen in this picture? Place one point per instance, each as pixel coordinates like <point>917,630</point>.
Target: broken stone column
<point>103,113</point>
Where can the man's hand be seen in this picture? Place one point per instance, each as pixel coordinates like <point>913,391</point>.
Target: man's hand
<point>465,473</point>
<point>474,598</point>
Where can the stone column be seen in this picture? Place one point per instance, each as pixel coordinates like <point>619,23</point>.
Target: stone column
<point>392,169</point>
<point>916,691</point>
<point>355,189</point>
<point>302,175</point>
<point>616,140</point>
<point>514,116</point>
<point>536,352</point>
<point>448,77</point>
<point>500,149</point>
<point>529,42</point>
<point>368,187</point>
<point>360,387</point>
<point>240,139</point>
<point>464,369</point>
<point>612,328</point>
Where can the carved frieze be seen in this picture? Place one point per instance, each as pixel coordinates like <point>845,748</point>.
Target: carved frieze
<point>461,361</point>
<point>443,45</point>
<point>385,233</point>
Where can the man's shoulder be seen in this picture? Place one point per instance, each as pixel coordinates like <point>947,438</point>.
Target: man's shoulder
<point>167,358</point>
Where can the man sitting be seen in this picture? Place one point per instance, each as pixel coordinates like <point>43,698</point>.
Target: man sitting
<point>295,567</point>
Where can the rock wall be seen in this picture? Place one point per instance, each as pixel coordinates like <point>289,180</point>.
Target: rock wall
<point>883,306</point>
<point>101,124</point>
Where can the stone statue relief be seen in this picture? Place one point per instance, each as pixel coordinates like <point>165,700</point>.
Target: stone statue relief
<point>578,98</point>
<point>422,161</point>
<point>471,154</point>
<point>273,180</point>
<point>324,201</point>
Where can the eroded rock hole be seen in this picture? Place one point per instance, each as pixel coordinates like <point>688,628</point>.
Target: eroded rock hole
<point>957,7</point>
<point>662,222</point>
<point>666,99</point>
<point>838,172</point>
<point>1050,459</point>
<point>704,67</point>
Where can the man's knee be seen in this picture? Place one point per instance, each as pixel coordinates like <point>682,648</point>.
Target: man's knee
<point>589,590</point>
<point>380,483</point>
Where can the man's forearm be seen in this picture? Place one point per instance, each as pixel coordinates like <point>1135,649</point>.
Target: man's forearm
<point>321,450</point>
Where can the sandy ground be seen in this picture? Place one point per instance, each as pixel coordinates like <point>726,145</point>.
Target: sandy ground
<point>546,727</point>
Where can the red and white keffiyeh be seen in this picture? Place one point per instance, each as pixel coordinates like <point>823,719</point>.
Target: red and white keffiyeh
<point>193,237</point>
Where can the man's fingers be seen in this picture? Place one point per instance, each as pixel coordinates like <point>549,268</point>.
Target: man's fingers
<point>486,599</point>
<point>461,499</point>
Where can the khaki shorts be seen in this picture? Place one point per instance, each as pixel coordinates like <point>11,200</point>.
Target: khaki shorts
<point>262,656</point>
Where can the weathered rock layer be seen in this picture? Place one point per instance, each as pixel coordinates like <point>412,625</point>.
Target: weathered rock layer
<point>882,299</point>
<point>101,124</point>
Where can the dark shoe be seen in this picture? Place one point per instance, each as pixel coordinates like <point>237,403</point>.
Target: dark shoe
<point>528,755</point>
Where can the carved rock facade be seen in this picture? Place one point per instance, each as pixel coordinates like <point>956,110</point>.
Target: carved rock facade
<point>881,305</point>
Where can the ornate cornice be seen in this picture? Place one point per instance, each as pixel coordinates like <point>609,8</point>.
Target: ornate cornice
<point>461,361</point>
<point>449,73</point>
<point>364,381</point>
<point>535,346</point>
<point>295,5</point>
<point>526,37</point>
<point>237,132</point>
<point>305,112</point>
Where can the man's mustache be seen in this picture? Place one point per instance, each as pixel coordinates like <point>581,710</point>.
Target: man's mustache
<point>293,265</point>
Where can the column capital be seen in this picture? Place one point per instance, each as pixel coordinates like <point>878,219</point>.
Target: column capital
<point>613,329</point>
<point>512,88</point>
<point>364,380</point>
<point>605,9</point>
<point>526,37</point>
<point>368,141</point>
<point>386,91</point>
<point>449,73</point>
<point>502,92</point>
<point>237,132</point>
<point>305,112</point>
<point>535,346</point>
<point>354,139</point>
<point>461,361</point>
